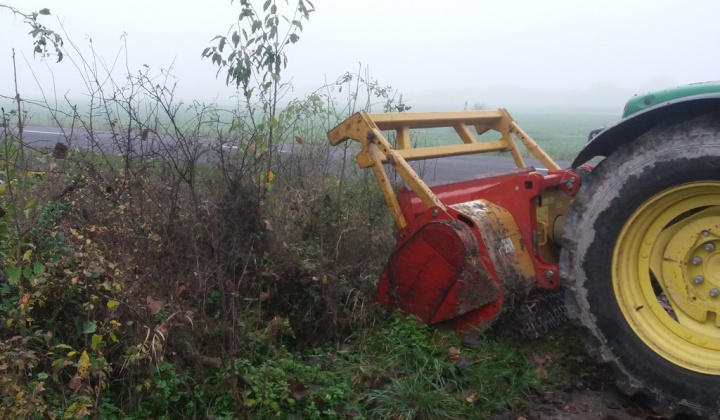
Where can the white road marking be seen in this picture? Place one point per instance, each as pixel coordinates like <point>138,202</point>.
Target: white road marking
<point>41,132</point>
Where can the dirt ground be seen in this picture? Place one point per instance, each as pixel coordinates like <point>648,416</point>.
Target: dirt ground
<point>585,404</point>
<point>575,386</point>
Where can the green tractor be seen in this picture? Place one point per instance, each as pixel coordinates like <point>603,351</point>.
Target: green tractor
<point>641,249</point>
<point>631,243</point>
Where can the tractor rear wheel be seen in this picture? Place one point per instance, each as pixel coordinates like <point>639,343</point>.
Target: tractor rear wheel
<point>641,252</point>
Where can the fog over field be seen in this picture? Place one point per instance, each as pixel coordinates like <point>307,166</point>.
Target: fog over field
<point>440,55</point>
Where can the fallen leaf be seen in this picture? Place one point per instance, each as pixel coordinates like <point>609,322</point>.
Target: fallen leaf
<point>454,353</point>
<point>162,330</point>
<point>154,306</point>
<point>471,397</point>
<point>268,225</point>
<point>539,362</point>
<point>180,290</point>
<point>541,372</point>
<point>297,389</point>
<point>570,408</point>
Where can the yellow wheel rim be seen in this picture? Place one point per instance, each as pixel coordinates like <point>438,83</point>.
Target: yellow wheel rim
<point>666,275</point>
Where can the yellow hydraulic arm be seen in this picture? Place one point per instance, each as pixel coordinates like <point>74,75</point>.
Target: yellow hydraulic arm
<point>367,129</point>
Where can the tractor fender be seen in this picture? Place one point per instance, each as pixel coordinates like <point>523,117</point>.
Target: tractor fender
<point>631,127</point>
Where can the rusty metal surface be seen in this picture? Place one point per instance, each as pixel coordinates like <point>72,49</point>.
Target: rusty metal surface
<point>437,274</point>
<point>505,246</point>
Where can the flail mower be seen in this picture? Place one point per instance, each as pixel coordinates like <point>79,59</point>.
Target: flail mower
<point>628,247</point>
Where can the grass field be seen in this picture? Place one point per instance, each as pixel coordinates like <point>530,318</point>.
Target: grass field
<point>561,135</point>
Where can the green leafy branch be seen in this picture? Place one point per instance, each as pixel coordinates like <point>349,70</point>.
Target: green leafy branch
<point>43,36</point>
<point>254,46</point>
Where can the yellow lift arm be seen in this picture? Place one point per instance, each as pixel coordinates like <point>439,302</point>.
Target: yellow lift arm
<point>367,130</point>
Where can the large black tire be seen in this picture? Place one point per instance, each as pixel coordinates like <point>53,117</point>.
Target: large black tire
<point>630,249</point>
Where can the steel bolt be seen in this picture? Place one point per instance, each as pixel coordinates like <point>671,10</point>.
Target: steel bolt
<point>549,274</point>
<point>709,247</point>
<point>698,279</point>
<point>696,261</point>
<point>435,212</point>
<point>714,292</point>
<point>705,233</point>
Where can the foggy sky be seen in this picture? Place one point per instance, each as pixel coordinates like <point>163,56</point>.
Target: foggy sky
<point>502,53</point>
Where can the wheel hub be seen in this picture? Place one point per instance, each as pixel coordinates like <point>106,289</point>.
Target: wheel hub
<point>671,248</point>
<point>704,269</point>
<point>690,262</point>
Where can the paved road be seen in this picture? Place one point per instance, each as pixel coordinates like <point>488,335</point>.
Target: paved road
<point>434,170</point>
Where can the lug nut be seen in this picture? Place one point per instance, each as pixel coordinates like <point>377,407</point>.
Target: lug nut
<point>698,279</point>
<point>696,261</point>
<point>714,292</point>
<point>709,247</point>
<point>549,274</point>
<point>705,233</point>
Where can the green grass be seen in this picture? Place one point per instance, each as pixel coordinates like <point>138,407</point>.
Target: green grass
<point>404,370</point>
<point>396,369</point>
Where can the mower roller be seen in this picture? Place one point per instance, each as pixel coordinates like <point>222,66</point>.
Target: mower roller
<point>634,241</point>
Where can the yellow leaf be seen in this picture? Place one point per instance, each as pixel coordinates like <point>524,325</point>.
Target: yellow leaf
<point>472,397</point>
<point>271,176</point>
<point>27,255</point>
<point>84,364</point>
<point>112,304</point>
